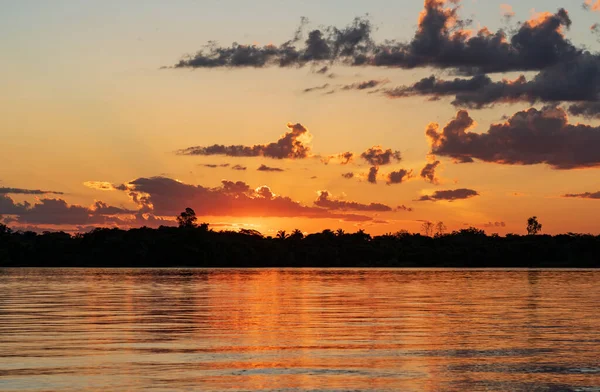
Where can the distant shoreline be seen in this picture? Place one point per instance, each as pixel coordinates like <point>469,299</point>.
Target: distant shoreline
<point>170,247</point>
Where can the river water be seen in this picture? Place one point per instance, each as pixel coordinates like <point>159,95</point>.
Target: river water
<point>299,330</point>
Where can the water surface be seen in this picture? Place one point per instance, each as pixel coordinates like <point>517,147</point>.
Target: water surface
<point>299,330</point>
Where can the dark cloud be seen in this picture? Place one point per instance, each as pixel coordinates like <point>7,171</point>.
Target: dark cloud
<point>428,172</point>
<point>343,158</point>
<point>528,137</point>
<point>20,191</point>
<point>440,41</point>
<point>105,186</point>
<point>372,176</point>
<point>101,208</point>
<point>404,208</point>
<point>450,195</point>
<point>316,88</point>
<point>59,212</point>
<point>398,177</point>
<point>322,70</point>
<point>166,197</point>
<point>348,175</point>
<point>589,110</point>
<point>214,166</point>
<point>239,167</point>
<point>377,156</point>
<point>349,45</point>
<point>291,145</point>
<point>266,168</point>
<point>325,201</point>
<point>9,207</point>
<point>434,87</point>
<point>572,80</point>
<point>586,195</point>
<point>368,84</point>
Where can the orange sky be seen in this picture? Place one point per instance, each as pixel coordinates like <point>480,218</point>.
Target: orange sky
<point>70,115</point>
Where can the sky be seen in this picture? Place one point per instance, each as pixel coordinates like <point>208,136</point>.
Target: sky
<point>376,115</point>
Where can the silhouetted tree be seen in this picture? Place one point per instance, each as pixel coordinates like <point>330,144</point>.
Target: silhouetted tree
<point>533,226</point>
<point>296,235</point>
<point>251,232</point>
<point>471,231</point>
<point>282,235</point>
<point>427,228</point>
<point>187,218</point>
<point>440,229</point>
<point>340,232</point>
<point>4,229</point>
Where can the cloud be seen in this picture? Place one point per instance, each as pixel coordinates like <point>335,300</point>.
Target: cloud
<point>404,208</point>
<point>441,41</point>
<point>292,145</point>
<point>572,80</point>
<point>104,186</point>
<point>316,88</point>
<point>348,176</point>
<point>59,212</point>
<point>398,177</point>
<point>372,176</point>
<point>266,168</point>
<point>166,197</point>
<point>450,195</point>
<point>528,137</point>
<point>377,156</point>
<point>342,158</point>
<point>586,195</point>
<point>214,166</point>
<point>348,45</point>
<point>435,88</point>
<point>239,167</point>
<point>20,191</point>
<point>101,208</point>
<point>324,200</point>
<point>368,84</point>
<point>590,110</point>
<point>9,207</point>
<point>428,172</point>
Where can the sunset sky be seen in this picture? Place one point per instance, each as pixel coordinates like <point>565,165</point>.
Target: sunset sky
<point>121,114</point>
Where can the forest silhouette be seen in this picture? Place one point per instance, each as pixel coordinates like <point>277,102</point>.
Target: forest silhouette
<point>193,245</point>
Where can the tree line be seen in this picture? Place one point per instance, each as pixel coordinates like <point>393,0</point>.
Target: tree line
<point>196,245</point>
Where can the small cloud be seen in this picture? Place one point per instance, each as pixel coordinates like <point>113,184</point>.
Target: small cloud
<point>266,168</point>
<point>450,195</point>
<point>238,167</point>
<point>316,88</point>
<point>21,191</point>
<point>398,177</point>
<point>586,195</point>
<point>326,201</point>
<point>428,172</point>
<point>213,165</point>
<point>372,176</point>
